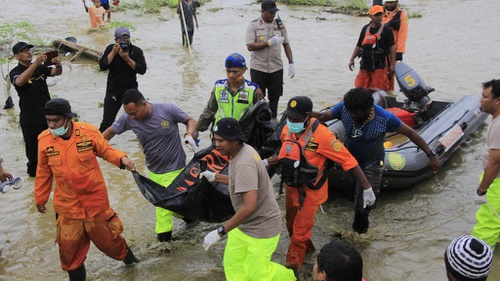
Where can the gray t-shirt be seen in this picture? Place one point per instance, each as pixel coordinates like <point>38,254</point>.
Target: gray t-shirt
<point>159,136</point>
<point>247,173</point>
<point>492,140</point>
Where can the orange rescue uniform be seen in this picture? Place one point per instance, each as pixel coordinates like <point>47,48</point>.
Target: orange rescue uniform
<point>80,197</point>
<point>323,145</point>
<point>400,35</point>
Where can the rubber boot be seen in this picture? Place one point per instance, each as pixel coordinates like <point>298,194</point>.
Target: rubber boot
<point>273,105</point>
<point>165,237</point>
<point>79,274</point>
<point>130,258</point>
<point>361,223</point>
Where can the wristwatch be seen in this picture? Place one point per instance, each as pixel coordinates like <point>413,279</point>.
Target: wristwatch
<point>431,153</point>
<point>221,230</point>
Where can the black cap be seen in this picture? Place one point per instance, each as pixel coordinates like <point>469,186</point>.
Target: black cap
<point>19,46</point>
<point>229,129</point>
<point>57,106</point>
<point>298,107</point>
<point>270,6</point>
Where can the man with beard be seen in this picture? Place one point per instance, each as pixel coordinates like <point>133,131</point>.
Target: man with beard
<point>366,125</point>
<point>30,80</point>
<point>124,62</point>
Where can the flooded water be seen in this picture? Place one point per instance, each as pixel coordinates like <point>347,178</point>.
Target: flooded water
<point>454,47</point>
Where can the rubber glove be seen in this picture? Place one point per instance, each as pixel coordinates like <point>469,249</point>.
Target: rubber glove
<point>190,143</point>
<point>211,238</point>
<point>368,197</point>
<point>291,70</point>
<point>276,40</point>
<point>480,199</point>
<point>210,176</point>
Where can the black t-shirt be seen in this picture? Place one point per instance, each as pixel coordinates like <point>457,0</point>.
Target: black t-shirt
<point>32,95</point>
<point>121,76</point>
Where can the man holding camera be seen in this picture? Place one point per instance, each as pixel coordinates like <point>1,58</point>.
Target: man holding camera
<point>30,80</point>
<point>124,62</point>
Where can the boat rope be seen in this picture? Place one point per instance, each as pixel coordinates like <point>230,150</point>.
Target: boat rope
<point>436,226</point>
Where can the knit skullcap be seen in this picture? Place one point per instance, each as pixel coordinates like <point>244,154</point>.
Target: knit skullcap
<point>469,257</point>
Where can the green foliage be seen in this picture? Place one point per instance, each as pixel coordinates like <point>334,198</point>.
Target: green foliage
<point>22,31</point>
<point>115,24</point>
<point>147,6</point>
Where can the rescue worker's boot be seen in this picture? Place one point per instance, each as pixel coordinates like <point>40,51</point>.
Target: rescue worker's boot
<point>361,223</point>
<point>130,258</point>
<point>165,236</point>
<point>79,274</point>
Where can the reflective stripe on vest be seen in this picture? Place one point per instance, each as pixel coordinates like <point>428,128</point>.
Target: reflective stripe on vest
<point>233,106</point>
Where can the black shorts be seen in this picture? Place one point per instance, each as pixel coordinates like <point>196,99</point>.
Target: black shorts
<point>105,6</point>
<point>272,82</point>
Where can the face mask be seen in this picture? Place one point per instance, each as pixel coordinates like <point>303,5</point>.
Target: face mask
<point>295,127</point>
<point>61,130</point>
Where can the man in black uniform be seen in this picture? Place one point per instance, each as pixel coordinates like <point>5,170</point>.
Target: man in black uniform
<point>29,79</point>
<point>122,75</point>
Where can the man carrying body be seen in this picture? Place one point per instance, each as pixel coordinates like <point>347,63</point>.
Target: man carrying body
<point>68,153</point>
<point>397,20</point>
<point>156,127</point>
<point>487,226</point>
<point>264,39</point>
<point>306,148</point>
<point>365,126</point>
<point>124,62</point>
<point>30,81</point>
<point>376,46</point>
<point>254,230</point>
<point>231,97</point>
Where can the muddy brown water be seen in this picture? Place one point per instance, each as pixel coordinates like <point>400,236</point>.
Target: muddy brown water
<point>454,47</point>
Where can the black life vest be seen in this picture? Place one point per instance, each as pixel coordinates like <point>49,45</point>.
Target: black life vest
<point>372,54</point>
<point>395,22</point>
<point>295,169</point>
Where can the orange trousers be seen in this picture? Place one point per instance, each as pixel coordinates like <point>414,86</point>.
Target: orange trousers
<point>379,78</point>
<point>299,223</point>
<point>74,236</point>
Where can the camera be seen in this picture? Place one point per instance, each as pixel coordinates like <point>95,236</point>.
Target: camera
<point>124,45</point>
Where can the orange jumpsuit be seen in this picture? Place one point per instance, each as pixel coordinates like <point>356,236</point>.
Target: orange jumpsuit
<point>322,145</point>
<point>80,196</point>
<point>400,35</point>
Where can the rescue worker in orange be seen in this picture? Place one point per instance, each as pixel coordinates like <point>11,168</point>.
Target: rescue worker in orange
<point>397,20</point>
<point>67,153</point>
<point>307,147</point>
<point>376,48</point>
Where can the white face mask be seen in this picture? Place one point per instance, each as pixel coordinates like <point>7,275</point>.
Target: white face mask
<point>61,131</point>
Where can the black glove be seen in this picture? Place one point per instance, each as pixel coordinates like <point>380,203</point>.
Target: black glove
<point>399,56</point>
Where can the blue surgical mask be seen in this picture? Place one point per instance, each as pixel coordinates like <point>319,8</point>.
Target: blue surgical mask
<point>61,130</point>
<point>295,127</point>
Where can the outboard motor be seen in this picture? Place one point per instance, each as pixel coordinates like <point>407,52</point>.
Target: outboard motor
<point>413,87</point>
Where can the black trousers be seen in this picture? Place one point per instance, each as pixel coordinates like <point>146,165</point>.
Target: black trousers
<point>111,107</point>
<point>30,135</point>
